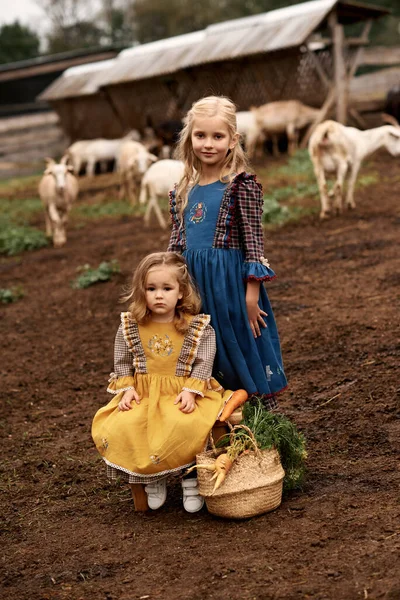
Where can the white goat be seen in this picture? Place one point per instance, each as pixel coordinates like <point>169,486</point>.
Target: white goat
<point>158,180</point>
<point>90,152</point>
<point>246,125</point>
<point>132,163</point>
<point>336,148</point>
<point>58,189</point>
<point>285,116</point>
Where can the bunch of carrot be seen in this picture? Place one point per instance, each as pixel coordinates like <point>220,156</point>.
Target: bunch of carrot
<point>240,443</point>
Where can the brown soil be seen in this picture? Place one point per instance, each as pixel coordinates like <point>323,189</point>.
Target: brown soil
<point>69,534</point>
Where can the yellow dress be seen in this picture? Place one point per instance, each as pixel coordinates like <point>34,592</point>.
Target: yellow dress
<point>155,438</point>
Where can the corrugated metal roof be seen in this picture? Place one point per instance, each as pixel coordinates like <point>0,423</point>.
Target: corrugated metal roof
<point>266,32</point>
<point>81,80</point>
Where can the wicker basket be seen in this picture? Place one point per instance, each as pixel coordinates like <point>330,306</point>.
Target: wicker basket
<point>252,487</point>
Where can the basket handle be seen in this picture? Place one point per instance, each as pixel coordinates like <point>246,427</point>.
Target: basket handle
<point>251,436</point>
<point>216,450</point>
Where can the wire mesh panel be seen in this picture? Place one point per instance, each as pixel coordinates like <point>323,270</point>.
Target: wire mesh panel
<point>249,81</point>
<point>88,117</point>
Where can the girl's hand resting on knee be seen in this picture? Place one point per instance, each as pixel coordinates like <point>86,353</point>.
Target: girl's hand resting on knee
<point>187,400</point>
<point>126,401</point>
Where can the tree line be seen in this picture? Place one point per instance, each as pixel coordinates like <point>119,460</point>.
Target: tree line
<point>77,25</point>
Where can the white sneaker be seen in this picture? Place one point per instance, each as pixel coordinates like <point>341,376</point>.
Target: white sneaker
<point>156,493</point>
<point>192,501</point>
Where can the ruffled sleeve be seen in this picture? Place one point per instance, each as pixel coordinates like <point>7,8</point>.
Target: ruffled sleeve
<point>122,377</point>
<point>120,384</point>
<point>177,238</point>
<point>249,207</point>
<point>259,271</point>
<point>200,386</point>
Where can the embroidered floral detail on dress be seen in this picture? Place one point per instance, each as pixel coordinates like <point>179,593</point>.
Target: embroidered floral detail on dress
<point>104,443</point>
<point>268,372</point>
<point>155,459</point>
<point>160,346</point>
<point>198,212</point>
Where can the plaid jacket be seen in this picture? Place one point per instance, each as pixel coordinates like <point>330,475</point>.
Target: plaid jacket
<point>238,223</point>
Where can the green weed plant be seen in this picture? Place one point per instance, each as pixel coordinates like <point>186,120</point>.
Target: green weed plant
<point>19,210</point>
<point>89,276</point>
<point>10,295</point>
<point>18,238</point>
<point>104,209</point>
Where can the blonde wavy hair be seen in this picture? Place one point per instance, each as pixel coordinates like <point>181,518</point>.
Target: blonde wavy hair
<point>235,161</point>
<point>190,302</point>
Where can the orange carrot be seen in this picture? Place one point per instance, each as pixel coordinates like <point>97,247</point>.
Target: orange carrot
<point>220,467</point>
<point>223,465</point>
<point>237,399</point>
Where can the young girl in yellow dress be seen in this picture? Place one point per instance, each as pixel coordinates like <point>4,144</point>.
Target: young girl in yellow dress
<point>165,400</point>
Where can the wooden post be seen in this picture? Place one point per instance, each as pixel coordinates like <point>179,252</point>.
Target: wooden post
<point>329,100</point>
<point>340,75</point>
<point>139,497</point>
<point>319,68</point>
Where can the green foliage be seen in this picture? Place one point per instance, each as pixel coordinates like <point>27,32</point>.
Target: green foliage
<point>89,276</point>
<point>9,295</point>
<point>278,214</point>
<point>367,179</point>
<point>19,210</point>
<point>17,42</point>
<point>106,209</point>
<point>298,164</point>
<point>15,239</point>
<point>298,190</point>
<point>82,34</point>
<point>274,213</point>
<point>276,430</point>
<point>15,184</point>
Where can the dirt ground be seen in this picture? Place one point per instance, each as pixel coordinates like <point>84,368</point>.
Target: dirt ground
<point>69,534</point>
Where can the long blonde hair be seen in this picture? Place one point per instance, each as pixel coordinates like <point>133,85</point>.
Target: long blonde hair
<point>190,302</point>
<point>235,161</point>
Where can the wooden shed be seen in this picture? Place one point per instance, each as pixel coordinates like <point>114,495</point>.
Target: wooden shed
<point>298,52</point>
<point>21,82</point>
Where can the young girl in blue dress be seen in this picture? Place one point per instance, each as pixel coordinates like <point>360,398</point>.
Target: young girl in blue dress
<point>216,212</point>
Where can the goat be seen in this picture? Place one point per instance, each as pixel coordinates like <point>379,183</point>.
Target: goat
<point>158,180</point>
<point>285,116</point>
<point>246,126</point>
<point>58,189</point>
<point>336,148</point>
<point>132,163</point>
<point>90,152</point>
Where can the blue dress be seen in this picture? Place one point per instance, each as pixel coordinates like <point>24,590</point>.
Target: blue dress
<point>242,361</point>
